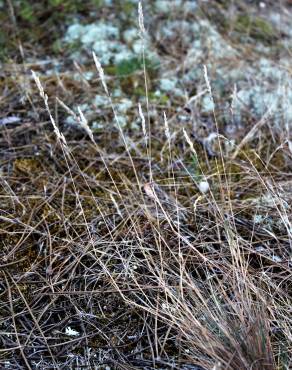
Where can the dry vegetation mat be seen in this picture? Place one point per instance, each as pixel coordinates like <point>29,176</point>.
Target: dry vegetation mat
<point>145,185</point>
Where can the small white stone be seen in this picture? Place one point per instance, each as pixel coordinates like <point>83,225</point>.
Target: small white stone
<point>71,332</point>
<point>8,120</point>
<point>204,187</point>
<point>276,258</point>
<point>260,249</point>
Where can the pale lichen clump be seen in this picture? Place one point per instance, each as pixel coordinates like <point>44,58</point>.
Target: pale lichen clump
<point>100,37</point>
<point>170,85</point>
<point>122,51</point>
<point>260,85</point>
<point>165,6</point>
<point>269,90</point>
<point>108,42</point>
<point>101,104</point>
<point>202,44</point>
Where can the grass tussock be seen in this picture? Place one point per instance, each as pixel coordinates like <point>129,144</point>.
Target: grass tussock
<point>124,251</point>
<point>150,249</point>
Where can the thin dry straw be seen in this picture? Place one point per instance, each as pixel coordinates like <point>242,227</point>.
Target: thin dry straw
<point>141,19</point>
<point>67,109</point>
<point>189,141</point>
<point>80,119</point>
<point>102,77</point>
<point>44,96</point>
<point>84,124</point>
<point>208,82</point>
<point>234,99</point>
<point>202,185</point>
<point>142,120</point>
<point>101,73</point>
<point>61,137</point>
<point>252,132</point>
<point>167,133</point>
<point>142,35</point>
<point>216,125</point>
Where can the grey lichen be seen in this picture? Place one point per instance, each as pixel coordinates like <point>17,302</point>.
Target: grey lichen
<point>261,85</point>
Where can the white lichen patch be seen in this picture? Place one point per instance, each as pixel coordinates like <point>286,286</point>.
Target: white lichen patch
<point>270,89</point>
<point>117,47</point>
<point>101,101</point>
<point>192,41</point>
<point>170,86</point>
<point>118,108</point>
<point>124,105</point>
<point>206,41</point>
<point>207,104</point>
<point>108,42</point>
<point>166,6</point>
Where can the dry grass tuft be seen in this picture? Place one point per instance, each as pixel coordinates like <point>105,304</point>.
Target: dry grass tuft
<point>141,250</point>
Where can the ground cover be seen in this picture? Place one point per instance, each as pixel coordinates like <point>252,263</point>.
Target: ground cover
<point>145,218</point>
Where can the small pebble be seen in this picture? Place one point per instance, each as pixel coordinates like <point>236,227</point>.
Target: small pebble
<point>204,187</point>
<point>71,332</point>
